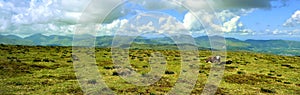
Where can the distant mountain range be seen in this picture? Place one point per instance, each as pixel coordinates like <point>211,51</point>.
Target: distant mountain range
<point>281,47</point>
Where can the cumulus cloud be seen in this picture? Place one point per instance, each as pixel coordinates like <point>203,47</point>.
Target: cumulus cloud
<point>294,20</point>
<point>61,16</point>
<point>51,16</point>
<point>222,21</point>
<point>110,28</point>
<point>196,21</point>
<point>37,12</point>
<point>295,32</point>
<point>1,5</point>
<point>97,10</point>
<point>278,31</point>
<point>232,24</point>
<point>226,17</point>
<point>171,25</point>
<point>290,32</point>
<point>191,22</point>
<point>151,23</point>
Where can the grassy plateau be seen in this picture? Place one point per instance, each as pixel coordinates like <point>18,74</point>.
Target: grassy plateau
<point>49,70</point>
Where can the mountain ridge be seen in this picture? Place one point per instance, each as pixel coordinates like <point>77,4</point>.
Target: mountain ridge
<point>276,46</point>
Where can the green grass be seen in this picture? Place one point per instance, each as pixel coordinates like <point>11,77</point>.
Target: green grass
<point>49,70</point>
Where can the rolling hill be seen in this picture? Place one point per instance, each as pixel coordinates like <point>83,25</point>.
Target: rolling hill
<point>281,47</point>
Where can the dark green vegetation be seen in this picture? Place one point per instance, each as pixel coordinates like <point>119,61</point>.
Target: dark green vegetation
<point>49,70</point>
<point>279,47</point>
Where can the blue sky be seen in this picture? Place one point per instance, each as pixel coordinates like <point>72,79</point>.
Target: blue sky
<point>247,19</point>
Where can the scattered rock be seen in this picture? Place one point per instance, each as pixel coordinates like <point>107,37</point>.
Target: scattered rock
<point>92,81</point>
<point>116,67</point>
<point>163,62</point>
<point>75,58</point>
<point>123,72</point>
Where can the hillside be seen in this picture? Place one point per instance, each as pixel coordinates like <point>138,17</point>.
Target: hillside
<point>280,47</point>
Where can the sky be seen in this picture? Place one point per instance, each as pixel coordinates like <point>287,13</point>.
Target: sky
<point>242,19</point>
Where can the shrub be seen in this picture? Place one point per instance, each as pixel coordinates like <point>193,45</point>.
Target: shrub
<point>69,61</point>
<point>107,67</point>
<point>286,65</point>
<point>267,90</point>
<point>201,71</point>
<point>241,72</point>
<point>287,82</point>
<point>115,73</point>
<point>169,72</point>
<point>145,66</point>
<point>229,62</point>
<point>246,79</point>
<point>270,74</point>
<point>37,60</point>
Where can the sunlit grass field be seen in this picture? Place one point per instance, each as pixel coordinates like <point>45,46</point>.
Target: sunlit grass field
<point>49,70</point>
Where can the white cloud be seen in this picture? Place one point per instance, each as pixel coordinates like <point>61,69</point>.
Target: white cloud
<point>61,16</point>
<point>291,32</point>
<point>232,25</point>
<point>207,20</point>
<point>98,9</point>
<point>147,23</point>
<point>50,16</point>
<point>171,25</point>
<point>1,5</point>
<point>109,29</point>
<point>116,24</point>
<point>229,21</point>
<point>190,22</point>
<point>295,32</point>
<point>37,13</point>
<point>281,32</point>
<point>276,31</point>
<point>294,20</point>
